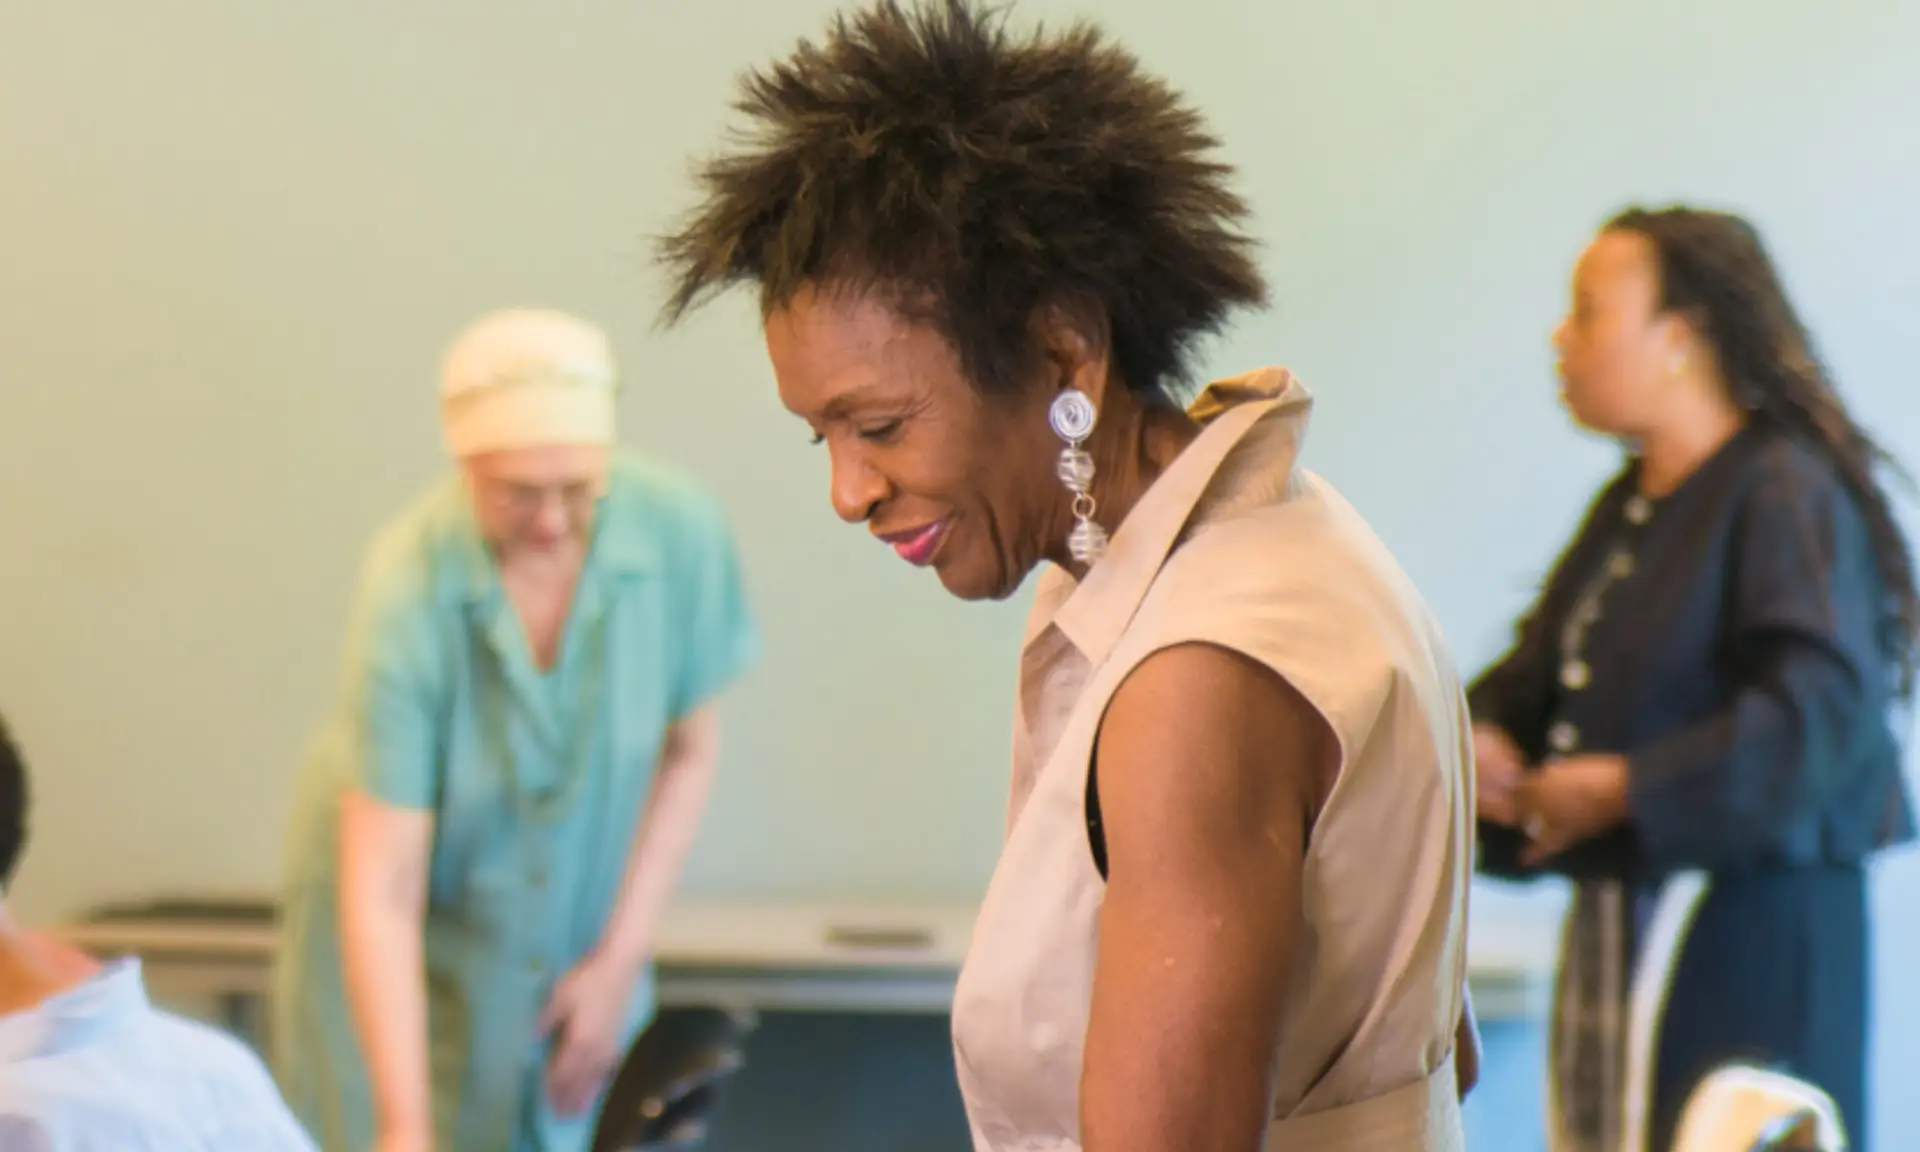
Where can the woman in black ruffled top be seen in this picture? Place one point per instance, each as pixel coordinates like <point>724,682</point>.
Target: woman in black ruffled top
<point>1704,685</point>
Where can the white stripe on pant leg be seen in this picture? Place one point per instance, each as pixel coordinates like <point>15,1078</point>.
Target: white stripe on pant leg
<point>1666,935</point>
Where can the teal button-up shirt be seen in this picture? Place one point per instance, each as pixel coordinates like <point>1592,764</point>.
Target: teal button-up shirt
<point>536,780</point>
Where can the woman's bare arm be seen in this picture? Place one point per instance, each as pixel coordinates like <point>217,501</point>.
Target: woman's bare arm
<point>1210,770</point>
<point>669,822</point>
<point>384,850</point>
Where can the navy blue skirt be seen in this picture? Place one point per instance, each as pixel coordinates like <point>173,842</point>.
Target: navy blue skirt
<point>1775,972</point>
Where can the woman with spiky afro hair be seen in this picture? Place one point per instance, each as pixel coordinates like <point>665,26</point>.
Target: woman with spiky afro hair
<point>1231,908</point>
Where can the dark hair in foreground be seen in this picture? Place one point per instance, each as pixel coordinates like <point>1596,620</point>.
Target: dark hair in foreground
<point>13,805</point>
<point>1714,268</point>
<point>973,178</point>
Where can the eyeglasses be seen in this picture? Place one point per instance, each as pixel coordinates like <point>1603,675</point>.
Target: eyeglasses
<point>576,498</point>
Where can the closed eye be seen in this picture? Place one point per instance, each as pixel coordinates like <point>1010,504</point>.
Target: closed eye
<point>874,434</point>
<point>881,433</point>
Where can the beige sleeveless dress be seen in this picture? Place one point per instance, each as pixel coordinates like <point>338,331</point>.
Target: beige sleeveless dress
<point>1237,546</point>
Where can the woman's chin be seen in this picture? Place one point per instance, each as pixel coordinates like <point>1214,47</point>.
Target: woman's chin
<point>967,581</point>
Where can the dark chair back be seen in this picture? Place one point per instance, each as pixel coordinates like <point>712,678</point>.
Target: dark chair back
<point>662,1098</point>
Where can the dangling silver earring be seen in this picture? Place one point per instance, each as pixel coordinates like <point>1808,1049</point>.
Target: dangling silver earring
<point>1072,417</point>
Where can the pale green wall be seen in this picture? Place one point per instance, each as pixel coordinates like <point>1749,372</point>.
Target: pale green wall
<point>237,233</point>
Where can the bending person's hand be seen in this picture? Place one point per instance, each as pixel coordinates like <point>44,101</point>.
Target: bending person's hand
<point>585,1019</point>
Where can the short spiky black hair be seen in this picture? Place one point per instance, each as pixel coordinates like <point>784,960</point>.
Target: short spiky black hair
<point>975,177</point>
<point>13,805</point>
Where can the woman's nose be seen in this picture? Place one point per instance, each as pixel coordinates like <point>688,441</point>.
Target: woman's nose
<point>856,485</point>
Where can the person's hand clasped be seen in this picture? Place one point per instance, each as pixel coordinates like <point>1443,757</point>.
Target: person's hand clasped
<point>1498,768</point>
<point>585,1018</point>
<point>1568,801</point>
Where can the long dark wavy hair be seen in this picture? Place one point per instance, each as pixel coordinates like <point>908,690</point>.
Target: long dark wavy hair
<point>1715,270</point>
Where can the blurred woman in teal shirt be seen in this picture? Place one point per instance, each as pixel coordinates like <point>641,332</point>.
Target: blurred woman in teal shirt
<point>495,817</point>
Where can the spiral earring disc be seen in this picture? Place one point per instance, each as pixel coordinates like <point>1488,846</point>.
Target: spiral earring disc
<point>1072,415</point>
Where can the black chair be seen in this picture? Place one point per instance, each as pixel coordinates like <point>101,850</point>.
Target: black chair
<point>662,1098</point>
